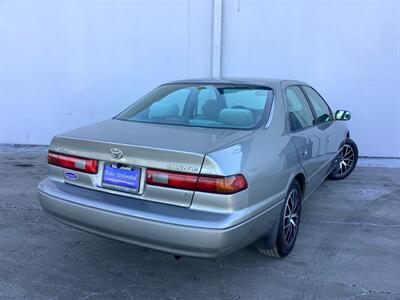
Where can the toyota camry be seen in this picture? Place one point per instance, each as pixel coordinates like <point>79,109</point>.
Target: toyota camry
<point>201,167</point>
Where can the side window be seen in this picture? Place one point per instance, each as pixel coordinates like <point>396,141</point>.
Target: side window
<point>320,107</point>
<point>300,115</point>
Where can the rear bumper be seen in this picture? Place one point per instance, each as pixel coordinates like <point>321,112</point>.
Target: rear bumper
<point>158,226</point>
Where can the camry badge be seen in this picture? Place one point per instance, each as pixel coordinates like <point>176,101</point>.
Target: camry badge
<point>117,153</point>
<point>181,167</point>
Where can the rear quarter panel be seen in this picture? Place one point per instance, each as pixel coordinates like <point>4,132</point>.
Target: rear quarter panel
<point>268,160</point>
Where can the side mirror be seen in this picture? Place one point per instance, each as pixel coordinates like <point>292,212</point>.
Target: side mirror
<point>342,115</point>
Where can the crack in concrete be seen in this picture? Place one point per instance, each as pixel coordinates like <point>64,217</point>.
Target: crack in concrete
<point>349,223</point>
<point>125,290</point>
<point>364,290</point>
<point>9,252</point>
<point>14,207</point>
<point>296,276</point>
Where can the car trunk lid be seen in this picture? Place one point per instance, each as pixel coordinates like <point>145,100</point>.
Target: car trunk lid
<point>143,145</point>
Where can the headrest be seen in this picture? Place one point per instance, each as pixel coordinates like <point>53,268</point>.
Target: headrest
<point>236,117</point>
<point>212,107</point>
<point>162,109</point>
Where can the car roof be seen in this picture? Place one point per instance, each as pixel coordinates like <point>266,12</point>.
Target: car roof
<point>268,82</point>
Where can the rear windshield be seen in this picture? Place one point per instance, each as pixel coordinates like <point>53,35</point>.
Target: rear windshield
<point>216,105</point>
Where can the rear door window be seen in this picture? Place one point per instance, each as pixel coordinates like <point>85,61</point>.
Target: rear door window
<point>300,114</point>
<point>322,111</point>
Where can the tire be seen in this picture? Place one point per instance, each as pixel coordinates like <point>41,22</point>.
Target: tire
<point>289,220</point>
<point>346,161</point>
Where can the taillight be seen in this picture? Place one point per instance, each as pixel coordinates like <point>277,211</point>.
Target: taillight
<point>171,179</point>
<point>204,183</point>
<point>222,185</point>
<point>81,164</point>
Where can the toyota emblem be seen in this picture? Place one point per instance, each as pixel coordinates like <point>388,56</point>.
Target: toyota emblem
<point>117,153</point>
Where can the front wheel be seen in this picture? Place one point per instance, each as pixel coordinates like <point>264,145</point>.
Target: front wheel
<point>346,161</point>
<point>289,221</point>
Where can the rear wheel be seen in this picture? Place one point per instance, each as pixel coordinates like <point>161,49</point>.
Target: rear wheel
<point>288,225</point>
<point>346,161</point>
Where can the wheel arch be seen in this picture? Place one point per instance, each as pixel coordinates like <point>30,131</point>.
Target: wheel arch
<point>299,175</point>
<point>302,181</point>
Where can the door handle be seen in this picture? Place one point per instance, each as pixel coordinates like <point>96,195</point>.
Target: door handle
<point>328,138</point>
<point>304,153</point>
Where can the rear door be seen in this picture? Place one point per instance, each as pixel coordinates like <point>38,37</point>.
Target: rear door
<point>311,147</point>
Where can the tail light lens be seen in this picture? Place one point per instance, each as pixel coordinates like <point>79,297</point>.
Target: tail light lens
<point>204,183</point>
<point>171,179</point>
<point>85,165</point>
<point>222,185</point>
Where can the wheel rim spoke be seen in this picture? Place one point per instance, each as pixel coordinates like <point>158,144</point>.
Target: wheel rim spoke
<point>346,160</point>
<point>291,216</point>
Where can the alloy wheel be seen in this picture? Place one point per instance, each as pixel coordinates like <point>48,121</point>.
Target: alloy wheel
<point>291,217</point>
<point>346,159</point>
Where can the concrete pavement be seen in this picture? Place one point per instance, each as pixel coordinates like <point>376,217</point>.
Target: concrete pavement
<point>348,247</point>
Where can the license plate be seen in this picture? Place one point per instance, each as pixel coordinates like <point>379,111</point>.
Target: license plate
<point>123,178</point>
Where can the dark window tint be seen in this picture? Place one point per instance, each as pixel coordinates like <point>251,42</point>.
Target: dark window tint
<point>300,115</point>
<point>320,107</point>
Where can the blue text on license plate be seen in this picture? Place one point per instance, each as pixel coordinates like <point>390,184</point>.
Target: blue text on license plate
<point>121,178</point>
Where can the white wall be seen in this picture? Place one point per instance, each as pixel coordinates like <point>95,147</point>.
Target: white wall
<point>69,63</point>
<point>64,64</point>
<point>349,50</point>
